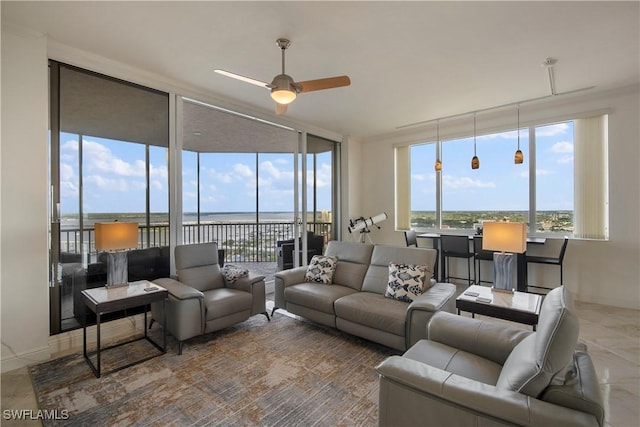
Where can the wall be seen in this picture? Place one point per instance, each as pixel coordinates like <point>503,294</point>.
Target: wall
<point>604,272</point>
<point>24,278</point>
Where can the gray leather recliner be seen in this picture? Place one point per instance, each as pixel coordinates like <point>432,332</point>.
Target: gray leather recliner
<point>470,372</point>
<point>201,300</point>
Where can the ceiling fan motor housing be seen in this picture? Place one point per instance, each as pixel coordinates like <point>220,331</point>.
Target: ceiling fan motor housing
<point>283,82</point>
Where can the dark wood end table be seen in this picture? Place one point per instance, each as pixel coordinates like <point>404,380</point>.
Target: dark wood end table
<point>515,306</point>
<point>105,300</point>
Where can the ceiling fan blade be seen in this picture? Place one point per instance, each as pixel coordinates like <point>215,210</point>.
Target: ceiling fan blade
<point>241,78</point>
<point>319,84</point>
<point>281,108</point>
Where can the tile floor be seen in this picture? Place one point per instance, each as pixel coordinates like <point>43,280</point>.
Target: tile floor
<point>611,334</point>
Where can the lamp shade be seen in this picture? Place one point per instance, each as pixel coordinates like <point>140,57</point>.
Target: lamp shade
<point>504,237</point>
<point>114,236</point>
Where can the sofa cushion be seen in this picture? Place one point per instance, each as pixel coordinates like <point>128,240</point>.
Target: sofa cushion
<point>354,260</point>
<point>406,281</point>
<point>321,269</point>
<point>534,362</point>
<point>202,278</point>
<point>377,276</point>
<point>373,310</point>
<point>313,296</point>
<point>455,361</point>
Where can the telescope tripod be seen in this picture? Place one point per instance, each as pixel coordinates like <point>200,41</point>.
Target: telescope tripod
<point>365,232</point>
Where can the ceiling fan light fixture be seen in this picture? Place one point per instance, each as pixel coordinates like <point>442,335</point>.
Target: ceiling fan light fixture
<point>283,96</point>
<point>282,89</point>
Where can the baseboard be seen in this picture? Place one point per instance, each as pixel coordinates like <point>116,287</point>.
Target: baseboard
<point>71,342</point>
<point>20,360</point>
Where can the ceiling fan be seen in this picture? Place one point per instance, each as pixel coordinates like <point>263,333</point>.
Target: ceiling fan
<point>283,89</point>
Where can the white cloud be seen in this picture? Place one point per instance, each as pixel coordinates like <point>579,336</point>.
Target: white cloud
<point>456,182</point>
<point>242,170</point>
<point>562,147</point>
<point>552,130</point>
<point>565,159</point>
<point>99,158</point>
<point>108,184</point>
<point>544,172</point>
<point>159,172</point>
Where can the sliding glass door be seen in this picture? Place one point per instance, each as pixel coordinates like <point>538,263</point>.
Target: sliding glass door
<point>249,185</point>
<point>109,162</point>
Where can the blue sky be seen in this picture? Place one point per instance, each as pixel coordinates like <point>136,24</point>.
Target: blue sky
<point>114,176</point>
<point>498,184</point>
<point>114,179</point>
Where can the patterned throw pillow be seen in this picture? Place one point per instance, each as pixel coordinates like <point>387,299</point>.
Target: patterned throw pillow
<point>406,281</point>
<point>320,269</point>
<point>232,273</point>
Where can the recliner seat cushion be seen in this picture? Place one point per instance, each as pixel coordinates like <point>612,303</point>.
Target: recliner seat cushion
<point>224,302</point>
<point>373,310</point>
<point>534,362</point>
<point>316,296</point>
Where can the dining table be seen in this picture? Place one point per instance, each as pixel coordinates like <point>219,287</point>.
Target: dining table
<point>521,258</point>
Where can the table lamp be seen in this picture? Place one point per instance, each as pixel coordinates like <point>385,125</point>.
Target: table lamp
<point>506,239</point>
<point>116,238</point>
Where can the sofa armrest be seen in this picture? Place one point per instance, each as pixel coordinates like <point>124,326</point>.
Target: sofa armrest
<point>411,392</point>
<point>439,297</point>
<point>244,283</point>
<point>178,289</point>
<point>285,278</point>
<point>490,340</point>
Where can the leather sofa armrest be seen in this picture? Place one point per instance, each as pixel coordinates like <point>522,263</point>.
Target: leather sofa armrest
<point>244,283</point>
<point>285,278</point>
<point>178,290</point>
<point>411,392</point>
<point>292,276</point>
<point>490,340</point>
<point>439,297</point>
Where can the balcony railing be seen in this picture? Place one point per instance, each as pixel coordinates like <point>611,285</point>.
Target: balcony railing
<point>243,242</point>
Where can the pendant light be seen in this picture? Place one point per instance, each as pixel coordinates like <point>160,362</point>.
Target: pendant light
<point>519,157</point>
<point>438,165</point>
<point>475,161</point>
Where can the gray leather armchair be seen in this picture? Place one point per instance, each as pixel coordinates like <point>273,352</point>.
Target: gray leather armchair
<point>470,372</point>
<point>201,300</point>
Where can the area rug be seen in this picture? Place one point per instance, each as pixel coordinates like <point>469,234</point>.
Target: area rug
<point>287,372</point>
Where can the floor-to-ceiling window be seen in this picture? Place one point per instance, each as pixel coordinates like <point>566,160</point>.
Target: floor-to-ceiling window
<point>239,182</point>
<point>109,162</point>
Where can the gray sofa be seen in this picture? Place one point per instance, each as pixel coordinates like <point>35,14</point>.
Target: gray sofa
<point>471,372</point>
<point>355,303</point>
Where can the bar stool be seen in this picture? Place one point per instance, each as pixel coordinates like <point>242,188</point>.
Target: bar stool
<point>481,255</point>
<point>410,238</point>
<point>550,260</point>
<point>455,246</point>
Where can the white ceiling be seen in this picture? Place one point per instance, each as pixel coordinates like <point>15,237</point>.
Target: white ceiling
<point>408,61</point>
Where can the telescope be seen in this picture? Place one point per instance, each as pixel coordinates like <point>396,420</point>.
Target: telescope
<point>362,224</point>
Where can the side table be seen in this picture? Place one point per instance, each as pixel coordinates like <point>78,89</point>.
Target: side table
<point>515,306</point>
<point>105,300</point>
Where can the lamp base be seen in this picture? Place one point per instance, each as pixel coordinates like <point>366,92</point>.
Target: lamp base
<point>119,285</point>
<point>117,269</point>
<point>504,269</point>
